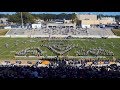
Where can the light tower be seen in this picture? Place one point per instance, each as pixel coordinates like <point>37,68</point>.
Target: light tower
<point>21,19</point>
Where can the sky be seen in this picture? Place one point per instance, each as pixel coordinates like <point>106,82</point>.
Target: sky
<point>105,13</point>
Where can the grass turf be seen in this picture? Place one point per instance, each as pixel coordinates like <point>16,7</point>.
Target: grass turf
<point>3,31</point>
<point>8,53</point>
<point>116,32</point>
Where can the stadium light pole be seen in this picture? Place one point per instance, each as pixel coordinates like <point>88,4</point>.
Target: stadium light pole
<point>22,19</point>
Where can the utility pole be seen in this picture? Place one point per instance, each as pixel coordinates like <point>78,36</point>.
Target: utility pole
<point>22,19</point>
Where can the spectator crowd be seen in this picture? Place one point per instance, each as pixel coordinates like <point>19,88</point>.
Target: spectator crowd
<point>60,69</point>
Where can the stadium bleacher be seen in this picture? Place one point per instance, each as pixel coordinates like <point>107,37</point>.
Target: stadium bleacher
<point>63,31</point>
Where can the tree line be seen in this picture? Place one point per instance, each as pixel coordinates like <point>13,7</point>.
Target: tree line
<point>55,16</point>
<point>30,18</point>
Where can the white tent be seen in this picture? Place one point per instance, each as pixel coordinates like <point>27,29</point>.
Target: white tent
<point>36,26</point>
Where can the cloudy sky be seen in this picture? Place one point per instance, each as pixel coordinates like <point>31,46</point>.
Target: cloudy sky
<point>105,13</point>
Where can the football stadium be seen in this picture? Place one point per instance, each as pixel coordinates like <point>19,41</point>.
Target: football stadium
<point>60,48</point>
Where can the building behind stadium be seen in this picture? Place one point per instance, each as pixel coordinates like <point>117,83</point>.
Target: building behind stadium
<point>89,20</point>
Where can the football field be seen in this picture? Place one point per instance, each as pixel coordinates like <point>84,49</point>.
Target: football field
<point>107,48</point>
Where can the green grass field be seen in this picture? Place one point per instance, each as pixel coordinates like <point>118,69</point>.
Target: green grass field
<point>3,31</point>
<point>23,43</point>
<point>116,32</point>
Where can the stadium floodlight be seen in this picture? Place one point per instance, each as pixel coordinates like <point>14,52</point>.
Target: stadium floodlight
<point>22,19</point>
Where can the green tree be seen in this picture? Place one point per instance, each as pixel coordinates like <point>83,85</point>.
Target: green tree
<point>74,18</point>
<point>78,22</point>
<point>27,17</point>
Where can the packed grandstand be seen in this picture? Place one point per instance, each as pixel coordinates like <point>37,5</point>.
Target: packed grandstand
<point>61,32</point>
